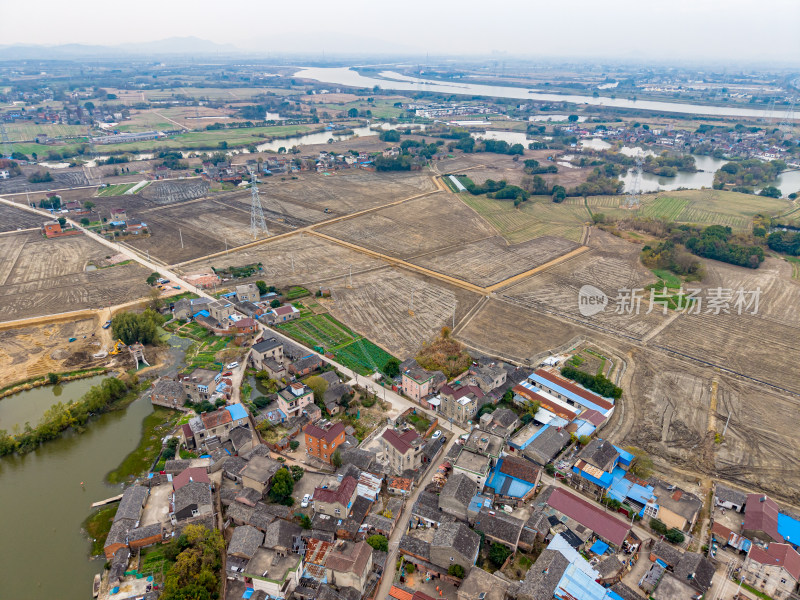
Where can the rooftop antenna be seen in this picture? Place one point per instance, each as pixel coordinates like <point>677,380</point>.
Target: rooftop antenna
<point>634,198</point>
<point>257,221</point>
<point>7,148</point>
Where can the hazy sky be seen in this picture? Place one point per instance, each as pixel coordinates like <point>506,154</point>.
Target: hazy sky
<point>733,30</point>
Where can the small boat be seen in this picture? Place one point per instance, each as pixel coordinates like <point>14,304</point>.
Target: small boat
<point>96,586</point>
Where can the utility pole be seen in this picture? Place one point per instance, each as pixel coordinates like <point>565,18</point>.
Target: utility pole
<point>226,245</point>
<point>728,420</point>
<point>180,233</point>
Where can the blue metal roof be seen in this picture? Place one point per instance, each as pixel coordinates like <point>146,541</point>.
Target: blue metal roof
<point>527,442</point>
<point>576,583</point>
<point>237,411</point>
<point>789,528</point>
<point>567,394</point>
<point>604,481</point>
<point>507,485</point>
<point>584,428</point>
<point>625,457</point>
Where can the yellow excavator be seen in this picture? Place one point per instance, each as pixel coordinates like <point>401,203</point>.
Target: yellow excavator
<point>119,344</point>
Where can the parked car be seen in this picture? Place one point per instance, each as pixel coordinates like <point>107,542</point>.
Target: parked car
<point>436,434</point>
<point>232,365</point>
<point>306,500</point>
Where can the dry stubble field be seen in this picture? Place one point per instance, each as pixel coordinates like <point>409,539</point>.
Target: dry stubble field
<point>12,218</point>
<point>42,277</point>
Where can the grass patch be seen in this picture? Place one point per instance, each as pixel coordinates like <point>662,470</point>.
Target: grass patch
<point>154,427</point>
<point>295,292</point>
<point>672,281</point>
<point>752,590</point>
<point>154,561</point>
<point>419,422</point>
<point>98,524</point>
<point>795,262</point>
<point>116,190</point>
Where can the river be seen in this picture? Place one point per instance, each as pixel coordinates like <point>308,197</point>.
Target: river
<point>396,81</point>
<point>29,406</point>
<point>44,553</point>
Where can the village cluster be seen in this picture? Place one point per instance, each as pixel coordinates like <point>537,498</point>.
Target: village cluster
<point>439,501</point>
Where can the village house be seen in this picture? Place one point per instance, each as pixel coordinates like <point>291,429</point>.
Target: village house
<point>248,292</point>
<point>498,526</point>
<point>191,500</point>
<point>323,438</point>
<point>295,397</point>
<point>168,393</point>
<point>350,565</point>
<point>456,495</point>
<point>488,377</point>
<point>402,449</point>
<point>282,314</point>
<point>272,572</point>
<point>216,425</point>
<point>729,498</point>
<point>455,544</point>
<point>460,403</point>
<point>676,507</point>
<point>774,571</point>
<point>200,384</point>
<point>761,519</point>
<point>258,473</point>
<point>502,422</point>
<point>126,518</point>
<point>305,365</point>
<point>269,349</point>
<point>475,466</point>
<point>336,503</point>
<point>482,585</point>
<point>417,383</point>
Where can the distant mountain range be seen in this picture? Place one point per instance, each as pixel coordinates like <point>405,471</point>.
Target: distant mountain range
<point>188,46</point>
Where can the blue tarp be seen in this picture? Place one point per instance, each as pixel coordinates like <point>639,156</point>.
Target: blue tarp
<point>789,528</point>
<point>248,592</point>
<point>237,411</point>
<point>599,547</point>
<point>202,313</point>
<point>661,562</point>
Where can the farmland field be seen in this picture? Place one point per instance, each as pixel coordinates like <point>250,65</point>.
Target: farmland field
<point>26,132</point>
<point>492,260</point>
<point>15,218</point>
<point>116,190</point>
<point>351,349</point>
<point>42,277</point>
<point>703,207</point>
<point>539,216</point>
<point>425,225</point>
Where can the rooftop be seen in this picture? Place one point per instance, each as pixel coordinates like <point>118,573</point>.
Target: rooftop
<point>457,535</point>
<point>267,345</point>
<point>500,525</point>
<point>484,442</point>
<point>193,493</point>
<point>130,507</point>
<point>458,487</point>
<point>341,495</point>
<point>475,463</point>
<point>189,475</point>
<point>402,441</point>
<point>572,390</point>
<point>350,558</point>
<point>327,430</point>
<point>245,541</point>
<point>761,514</point>
<point>269,564</point>
<point>261,469</point>
<point>216,418</point>
<point>593,517</point>
<point>600,453</point>
<point>519,468</point>
<point>782,555</point>
<point>202,376</point>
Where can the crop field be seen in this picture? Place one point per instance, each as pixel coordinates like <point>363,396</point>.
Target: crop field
<point>26,132</point>
<point>41,277</point>
<point>116,190</point>
<point>413,228</point>
<point>378,305</point>
<point>203,225</point>
<point>349,348</point>
<point>309,261</point>
<point>611,266</point>
<point>167,192</point>
<point>15,218</point>
<point>492,260</point>
<point>703,207</point>
<point>537,217</point>
<point>61,179</point>
<point>344,192</point>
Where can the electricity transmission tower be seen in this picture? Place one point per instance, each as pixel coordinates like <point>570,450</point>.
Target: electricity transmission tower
<point>257,221</point>
<point>635,193</point>
<point>786,125</point>
<point>7,151</point>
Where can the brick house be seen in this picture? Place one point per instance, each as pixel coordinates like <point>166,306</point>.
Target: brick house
<point>336,503</point>
<point>774,571</point>
<point>268,349</point>
<point>248,293</point>
<point>322,439</point>
<point>200,384</point>
<point>282,314</point>
<point>461,403</point>
<point>403,449</point>
<point>305,366</point>
<point>168,393</point>
<point>51,228</point>
<point>295,397</point>
<point>417,383</point>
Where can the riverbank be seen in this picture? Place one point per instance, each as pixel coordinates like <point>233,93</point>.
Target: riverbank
<point>97,525</point>
<point>111,395</point>
<point>154,427</point>
<point>64,377</point>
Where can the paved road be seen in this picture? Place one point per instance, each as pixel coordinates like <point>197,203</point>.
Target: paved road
<point>402,525</point>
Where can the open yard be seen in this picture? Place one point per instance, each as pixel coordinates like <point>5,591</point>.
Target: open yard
<point>41,277</point>
<point>414,228</point>
<point>15,218</point>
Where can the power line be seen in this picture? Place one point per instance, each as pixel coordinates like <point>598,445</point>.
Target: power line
<point>257,221</point>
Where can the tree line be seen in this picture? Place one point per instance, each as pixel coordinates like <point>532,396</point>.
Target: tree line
<point>599,383</point>
<point>60,417</point>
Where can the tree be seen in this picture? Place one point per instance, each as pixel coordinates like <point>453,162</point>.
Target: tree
<point>559,193</point>
<point>378,542</point>
<point>85,221</point>
<point>262,287</point>
<point>392,367</point>
<point>88,205</point>
<point>155,302</point>
<point>275,303</point>
<point>675,536</point>
<point>642,464</point>
<point>352,113</point>
<point>297,472</point>
<point>89,106</point>
<point>62,221</point>
<point>318,385</point>
<point>584,440</point>
<point>131,327</point>
<point>294,445</point>
<point>305,521</point>
<point>658,526</point>
<point>550,469</point>
<point>572,118</point>
<point>498,554</point>
<point>152,278</point>
<point>53,378</point>
<point>282,486</point>
<point>456,571</point>
<point>336,459</point>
